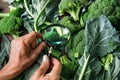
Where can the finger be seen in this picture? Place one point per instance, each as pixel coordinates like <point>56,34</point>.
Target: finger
<point>44,66</point>
<point>39,35</point>
<point>31,37</point>
<point>57,66</point>
<point>33,42</point>
<point>35,53</point>
<point>33,45</point>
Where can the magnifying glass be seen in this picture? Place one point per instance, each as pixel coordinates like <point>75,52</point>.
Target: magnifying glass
<point>56,36</point>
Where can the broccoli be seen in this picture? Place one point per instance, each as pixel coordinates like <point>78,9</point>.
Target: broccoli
<point>10,24</point>
<point>72,7</point>
<point>110,8</point>
<point>70,23</point>
<point>106,61</point>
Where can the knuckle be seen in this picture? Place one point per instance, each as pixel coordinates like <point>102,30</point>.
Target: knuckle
<point>18,43</point>
<point>33,33</point>
<point>13,41</point>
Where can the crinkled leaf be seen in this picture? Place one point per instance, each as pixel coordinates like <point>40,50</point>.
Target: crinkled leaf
<point>99,34</point>
<point>115,70</point>
<point>30,71</point>
<point>52,10</point>
<point>75,46</point>
<point>4,49</point>
<point>2,56</point>
<point>100,39</point>
<point>38,4</point>
<point>42,18</point>
<point>83,61</point>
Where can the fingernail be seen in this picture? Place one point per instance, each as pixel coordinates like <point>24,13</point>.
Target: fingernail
<point>45,58</point>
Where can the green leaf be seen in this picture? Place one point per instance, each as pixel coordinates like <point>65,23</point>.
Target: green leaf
<point>83,62</point>
<point>99,35</point>
<point>75,46</point>
<point>100,40</point>
<point>4,49</point>
<point>115,69</point>
<point>29,72</point>
<point>38,5</point>
<point>68,67</point>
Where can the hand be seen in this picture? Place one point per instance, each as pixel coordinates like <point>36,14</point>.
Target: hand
<point>23,53</point>
<point>41,73</point>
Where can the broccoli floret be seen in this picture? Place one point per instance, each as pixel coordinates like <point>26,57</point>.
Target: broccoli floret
<point>70,23</point>
<point>110,8</point>
<point>72,7</point>
<point>17,12</point>
<point>10,24</point>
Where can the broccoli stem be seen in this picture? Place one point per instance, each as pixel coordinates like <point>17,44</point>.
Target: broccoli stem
<point>75,13</point>
<point>4,14</point>
<point>75,17</point>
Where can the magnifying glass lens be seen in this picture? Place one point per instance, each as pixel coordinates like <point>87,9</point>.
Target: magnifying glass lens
<point>56,35</point>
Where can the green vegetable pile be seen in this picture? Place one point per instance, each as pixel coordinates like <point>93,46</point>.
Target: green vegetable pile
<point>93,51</point>
<point>11,22</point>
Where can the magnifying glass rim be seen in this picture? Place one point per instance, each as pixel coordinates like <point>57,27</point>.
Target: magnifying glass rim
<point>56,26</point>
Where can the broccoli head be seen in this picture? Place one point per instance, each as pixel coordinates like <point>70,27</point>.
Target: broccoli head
<point>10,24</point>
<point>72,7</point>
<point>110,8</point>
<point>70,23</point>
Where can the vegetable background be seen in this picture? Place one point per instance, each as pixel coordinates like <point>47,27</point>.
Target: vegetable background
<point>93,51</point>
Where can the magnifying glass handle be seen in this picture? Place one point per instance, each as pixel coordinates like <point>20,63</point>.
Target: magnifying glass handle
<point>50,53</point>
<point>50,57</point>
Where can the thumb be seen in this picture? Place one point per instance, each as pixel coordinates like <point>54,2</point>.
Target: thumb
<point>44,65</point>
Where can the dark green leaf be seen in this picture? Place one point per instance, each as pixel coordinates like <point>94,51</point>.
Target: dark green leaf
<point>29,72</point>
<point>99,35</point>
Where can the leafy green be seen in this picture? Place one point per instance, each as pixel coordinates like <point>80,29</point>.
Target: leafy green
<point>38,13</point>
<point>93,51</point>
<point>75,46</point>
<point>72,7</point>
<point>4,50</point>
<point>70,23</point>
<point>69,67</point>
<point>106,60</point>
<point>12,23</point>
<point>101,41</point>
<point>29,72</point>
<point>99,36</point>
